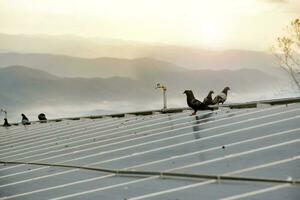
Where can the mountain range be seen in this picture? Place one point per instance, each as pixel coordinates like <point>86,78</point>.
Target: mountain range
<point>67,73</point>
<point>186,56</point>
<point>23,86</point>
<point>67,66</point>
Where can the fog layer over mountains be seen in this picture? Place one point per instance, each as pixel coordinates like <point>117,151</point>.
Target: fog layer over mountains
<point>124,80</point>
<point>25,89</point>
<point>185,56</point>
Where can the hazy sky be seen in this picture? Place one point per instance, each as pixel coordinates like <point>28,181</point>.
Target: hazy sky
<point>218,24</point>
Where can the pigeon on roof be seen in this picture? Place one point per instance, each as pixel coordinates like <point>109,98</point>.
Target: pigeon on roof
<point>25,120</point>
<point>208,100</point>
<point>6,124</point>
<point>194,103</point>
<point>42,117</point>
<point>221,98</point>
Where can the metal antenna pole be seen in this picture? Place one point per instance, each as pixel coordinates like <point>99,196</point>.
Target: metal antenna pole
<point>164,89</point>
<point>4,111</point>
<point>165,97</point>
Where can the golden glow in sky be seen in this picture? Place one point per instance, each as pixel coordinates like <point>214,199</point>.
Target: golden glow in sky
<point>224,24</point>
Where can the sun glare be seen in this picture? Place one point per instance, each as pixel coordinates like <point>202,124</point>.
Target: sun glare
<point>210,33</point>
<point>217,24</point>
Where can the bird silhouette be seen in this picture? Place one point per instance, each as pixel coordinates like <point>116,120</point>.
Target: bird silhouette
<point>221,98</point>
<point>25,120</point>
<point>6,124</point>
<point>208,100</point>
<point>42,118</point>
<point>194,103</point>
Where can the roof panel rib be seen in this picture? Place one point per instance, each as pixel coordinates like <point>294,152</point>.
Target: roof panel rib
<point>250,153</point>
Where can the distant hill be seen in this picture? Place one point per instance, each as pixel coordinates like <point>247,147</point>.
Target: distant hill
<point>185,56</point>
<point>24,89</point>
<point>67,66</point>
<point>21,85</point>
<point>19,72</point>
<point>67,75</point>
<point>26,86</point>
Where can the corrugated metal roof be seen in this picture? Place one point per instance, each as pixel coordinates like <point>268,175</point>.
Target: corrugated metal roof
<point>248,153</point>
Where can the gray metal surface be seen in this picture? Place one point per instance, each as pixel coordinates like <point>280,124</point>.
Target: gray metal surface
<point>261,143</point>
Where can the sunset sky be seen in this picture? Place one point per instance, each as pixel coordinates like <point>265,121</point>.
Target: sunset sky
<point>216,24</point>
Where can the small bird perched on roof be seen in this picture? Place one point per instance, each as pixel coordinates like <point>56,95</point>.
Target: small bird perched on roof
<point>25,120</point>
<point>208,100</point>
<point>6,124</point>
<point>194,103</point>
<point>221,98</point>
<point>42,117</point>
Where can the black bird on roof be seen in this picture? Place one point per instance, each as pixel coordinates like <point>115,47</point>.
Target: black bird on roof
<point>6,124</point>
<point>25,120</point>
<point>208,100</point>
<point>194,103</point>
<point>221,98</point>
<point>42,117</point>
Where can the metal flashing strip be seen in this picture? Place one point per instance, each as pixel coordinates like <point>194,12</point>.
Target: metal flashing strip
<point>216,178</point>
<point>163,174</point>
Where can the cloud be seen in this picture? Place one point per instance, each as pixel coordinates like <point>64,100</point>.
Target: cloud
<point>293,7</point>
<point>275,1</point>
<point>286,6</point>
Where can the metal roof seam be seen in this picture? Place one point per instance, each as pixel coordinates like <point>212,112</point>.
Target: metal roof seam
<point>162,173</point>
<point>185,166</point>
<point>64,185</point>
<point>141,144</point>
<point>66,143</point>
<point>260,191</point>
<point>258,146</point>
<point>85,134</point>
<point>102,152</point>
<point>214,121</point>
<point>106,140</point>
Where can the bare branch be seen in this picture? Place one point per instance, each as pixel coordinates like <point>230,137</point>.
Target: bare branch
<point>286,51</point>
